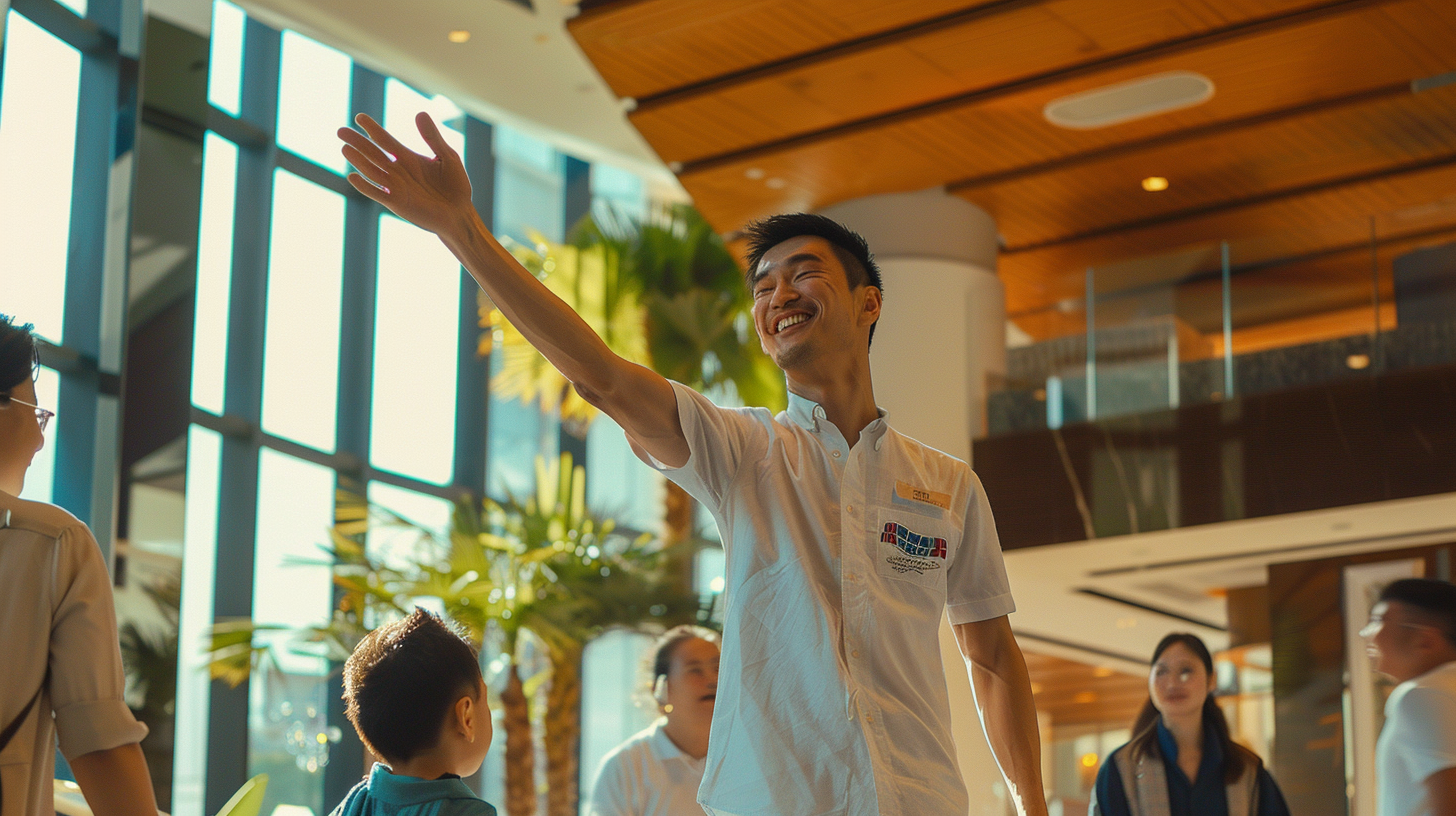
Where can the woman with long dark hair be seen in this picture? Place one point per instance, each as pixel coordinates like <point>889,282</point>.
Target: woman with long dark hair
<point>1181,760</point>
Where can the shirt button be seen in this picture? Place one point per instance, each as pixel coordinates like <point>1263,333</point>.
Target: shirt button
<point>850,508</point>
<point>836,454</point>
<point>854,653</point>
<point>849,577</point>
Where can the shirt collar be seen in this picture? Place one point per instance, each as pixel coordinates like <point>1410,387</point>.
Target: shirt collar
<point>409,790</point>
<point>808,414</point>
<point>662,745</point>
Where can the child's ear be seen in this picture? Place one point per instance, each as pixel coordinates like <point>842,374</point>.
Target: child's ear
<point>465,717</point>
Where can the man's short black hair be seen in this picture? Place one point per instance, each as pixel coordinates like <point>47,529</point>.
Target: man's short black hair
<point>852,250</point>
<point>402,681</point>
<point>17,353</point>
<point>1435,599</point>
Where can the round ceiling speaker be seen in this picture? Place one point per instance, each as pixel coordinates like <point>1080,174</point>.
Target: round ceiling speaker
<point>1126,101</point>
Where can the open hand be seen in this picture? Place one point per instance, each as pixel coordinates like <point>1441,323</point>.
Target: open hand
<point>430,192</point>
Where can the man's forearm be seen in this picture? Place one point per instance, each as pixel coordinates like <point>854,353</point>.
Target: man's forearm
<point>544,319</point>
<point>115,781</point>
<point>1007,710</point>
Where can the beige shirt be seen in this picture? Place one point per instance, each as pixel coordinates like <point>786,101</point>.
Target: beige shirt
<point>56,611</point>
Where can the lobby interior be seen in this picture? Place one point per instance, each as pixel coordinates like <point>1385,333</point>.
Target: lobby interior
<point>1178,278</point>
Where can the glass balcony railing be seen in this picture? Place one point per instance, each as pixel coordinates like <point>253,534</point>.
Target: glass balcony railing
<point>1333,299</point>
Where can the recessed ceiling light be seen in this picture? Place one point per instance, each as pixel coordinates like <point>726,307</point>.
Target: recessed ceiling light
<point>1126,101</point>
<point>459,35</point>
<point>1358,361</point>
<point>776,183</point>
<point>1154,184</point>
<point>754,173</point>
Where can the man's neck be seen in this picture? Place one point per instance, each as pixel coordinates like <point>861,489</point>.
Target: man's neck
<point>689,738</point>
<point>847,397</point>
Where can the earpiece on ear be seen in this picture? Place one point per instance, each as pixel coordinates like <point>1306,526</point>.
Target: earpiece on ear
<point>659,689</point>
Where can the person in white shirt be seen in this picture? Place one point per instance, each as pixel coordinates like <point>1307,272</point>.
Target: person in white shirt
<point>846,542</point>
<point>61,674</point>
<point>657,771</point>
<point>1412,637</point>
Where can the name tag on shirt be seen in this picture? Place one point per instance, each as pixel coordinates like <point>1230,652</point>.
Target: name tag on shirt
<point>910,492</point>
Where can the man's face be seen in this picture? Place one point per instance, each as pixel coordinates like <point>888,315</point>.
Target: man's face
<point>692,680</point>
<point>1393,639</point>
<point>20,434</point>
<point>803,306</point>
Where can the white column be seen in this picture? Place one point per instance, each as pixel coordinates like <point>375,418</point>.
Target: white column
<point>942,332</point>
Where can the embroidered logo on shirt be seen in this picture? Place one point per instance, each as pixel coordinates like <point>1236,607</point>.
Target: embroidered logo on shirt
<point>919,551</point>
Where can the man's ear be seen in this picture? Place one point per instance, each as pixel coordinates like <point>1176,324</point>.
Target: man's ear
<point>873,300</point>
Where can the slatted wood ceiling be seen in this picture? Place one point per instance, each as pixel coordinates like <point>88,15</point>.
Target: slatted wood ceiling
<point>774,105</point>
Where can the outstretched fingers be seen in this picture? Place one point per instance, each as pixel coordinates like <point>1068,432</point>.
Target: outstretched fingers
<point>369,190</point>
<point>366,148</point>
<point>367,168</point>
<point>431,133</point>
<point>382,137</point>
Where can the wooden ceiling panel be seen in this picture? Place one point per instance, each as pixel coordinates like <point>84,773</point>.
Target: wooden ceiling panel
<point>1287,227</point>
<point>769,106</point>
<point>1072,693</point>
<point>975,55</point>
<point>650,46</point>
<point>1009,133</point>
<point>1322,145</point>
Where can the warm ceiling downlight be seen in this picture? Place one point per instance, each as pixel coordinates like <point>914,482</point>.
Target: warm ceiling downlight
<point>1126,101</point>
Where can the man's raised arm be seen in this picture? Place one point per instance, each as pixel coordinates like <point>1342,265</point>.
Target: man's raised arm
<point>434,194</point>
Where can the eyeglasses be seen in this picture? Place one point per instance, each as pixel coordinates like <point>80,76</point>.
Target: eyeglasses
<point>1372,628</point>
<point>42,415</point>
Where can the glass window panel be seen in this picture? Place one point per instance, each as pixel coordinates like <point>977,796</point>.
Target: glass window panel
<point>214,271</point>
<point>313,99</point>
<point>287,696</point>
<point>614,697</point>
<point>416,349</point>
<point>301,340</point>
<point>398,547</point>
<point>78,6</point>
<point>225,63</point>
<point>401,103</point>
<point>199,559</point>
<point>518,434</point>
<point>38,103</point>
<point>618,190</point>
<point>709,568</point>
<point>40,477</point>
<point>529,186</point>
<point>618,485</point>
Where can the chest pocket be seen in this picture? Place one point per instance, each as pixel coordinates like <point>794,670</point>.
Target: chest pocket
<point>912,547</point>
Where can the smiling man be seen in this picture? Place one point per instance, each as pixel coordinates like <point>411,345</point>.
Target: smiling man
<point>846,541</point>
<point>1412,637</point>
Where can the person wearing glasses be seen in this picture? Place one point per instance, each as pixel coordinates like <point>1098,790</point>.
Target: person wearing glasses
<point>61,675</point>
<point>1412,638</point>
<point>1181,760</point>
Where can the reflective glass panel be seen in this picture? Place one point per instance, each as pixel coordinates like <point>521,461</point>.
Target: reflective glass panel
<point>214,271</point>
<point>199,559</point>
<point>40,478</point>
<point>38,103</point>
<point>518,434</point>
<point>225,63</point>
<point>529,182</point>
<point>313,99</point>
<point>287,694</point>
<point>416,348</point>
<point>398,545</point>
<point>618,190</point>
<point>618,485</point>
<point>78,6</point>
<point>301,343</point>
<point>401,103</point>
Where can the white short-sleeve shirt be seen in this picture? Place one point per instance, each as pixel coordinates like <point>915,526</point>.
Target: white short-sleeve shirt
<point>56,614</point>
<point>1419,739</point>
<point>841,561</point>
<point>648,775</point>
